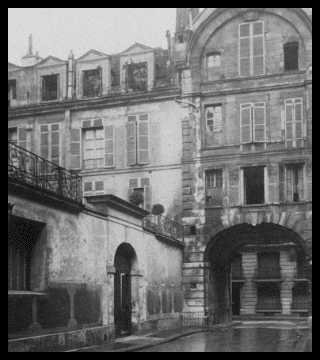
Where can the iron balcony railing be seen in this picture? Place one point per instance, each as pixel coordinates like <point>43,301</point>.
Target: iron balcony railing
<point>268,273</point>
<point>41,173</point>
<point>269,305</point>
<point>300,303</point>
<point>237,274</point>
<point>164,226</point>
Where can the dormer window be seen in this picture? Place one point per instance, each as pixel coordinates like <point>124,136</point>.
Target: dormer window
<point>49,87</point>
<point>92,84</point>
<point>136,77</point>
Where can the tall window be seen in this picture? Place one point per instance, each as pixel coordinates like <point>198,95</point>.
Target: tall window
<point>253,183</point>
<point>50,142</point>
<point>141,185</point>
<point>214,182</point>
<point>253,122</point>
<point>291,56</point>
<point>12,91</point>
<point>92,83</point>
<point>93,154</point>
<point>294,182</point>
<point>50,87</point>
<point>214,124</point>
<point>251,49</point>
<point>294,119</point>
<point>138,139</point>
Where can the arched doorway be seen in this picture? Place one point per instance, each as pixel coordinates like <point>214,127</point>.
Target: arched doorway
<point>125,262</point>
<point>255,284</point>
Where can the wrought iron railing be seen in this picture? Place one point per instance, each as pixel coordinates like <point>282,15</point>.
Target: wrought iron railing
<point>269,305</point>
<point>164,226</point>
<point>237,274</point>
<point>189,318</point>
<point>268,273</point>
<point>41,173</point>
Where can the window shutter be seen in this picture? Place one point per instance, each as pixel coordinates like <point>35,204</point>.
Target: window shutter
<point>87,188</point>
<point>55,143</point>
<point>245,124</point>
<point>99,187</point>
<point>259,118</point>
<point>131,143</point>
<point>43,88</point>
<point>143,141</point>
<point>147,198</point>
<point>244,49</point>
<point>281,183</point>
<point>258,48</point>
<point>75,148</point>
<point>233,187</point>
<point>301,183</point>
<point>289,184</point>
<point>22,137</point>
<point>298,114</point>
<point>44,141</point>
<point>289,119</point>
<point>109,146</point>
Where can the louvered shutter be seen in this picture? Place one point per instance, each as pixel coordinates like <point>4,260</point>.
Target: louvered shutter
<point>233,187</point>
<point>131,143</point>
<point>244,49</point>
<point>147,198</point>
<point>289,184</point>
<point>258,48</point>
<point>87,188</point>
<point>99,187</point>
<point>273,179</point>
<point>246,124</point>
<point>259,121</point>
<point>298,114</point>
<point>133,183</point>
<point>143,141</point>
<point>55,144</point>
<point>44,141</point>
<point>22,137</point>
<point>281,183</point>
<point>109,146</point>
<point>289,119</point>
<point>75,148</point>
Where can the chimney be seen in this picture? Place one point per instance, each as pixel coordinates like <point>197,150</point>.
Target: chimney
<point>30,59</point>
<point>71,76</point>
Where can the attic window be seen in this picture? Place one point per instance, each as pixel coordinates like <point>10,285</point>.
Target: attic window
<point>136,77</point>
<point>92,82</point>
<point>49,87</point>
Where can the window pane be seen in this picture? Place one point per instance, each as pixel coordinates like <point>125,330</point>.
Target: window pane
<point>244,30</point>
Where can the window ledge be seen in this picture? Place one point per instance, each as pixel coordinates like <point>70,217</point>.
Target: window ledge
<point>208,206</point>
<point>295,202</point>
<point>25,293</point>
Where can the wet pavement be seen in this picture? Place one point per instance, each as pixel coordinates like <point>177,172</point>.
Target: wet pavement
<point>246,336</point>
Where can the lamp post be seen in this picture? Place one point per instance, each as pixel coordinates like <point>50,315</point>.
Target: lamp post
<point>10,208</point>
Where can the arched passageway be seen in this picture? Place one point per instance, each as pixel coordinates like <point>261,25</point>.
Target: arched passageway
<point>252,271</point>
<point>125,261</point>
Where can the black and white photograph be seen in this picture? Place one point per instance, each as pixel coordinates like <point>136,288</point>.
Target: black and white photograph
<point>159,180</point>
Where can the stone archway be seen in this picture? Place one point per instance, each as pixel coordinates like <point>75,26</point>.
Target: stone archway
<point>125,289</point>
<point>221,248</point>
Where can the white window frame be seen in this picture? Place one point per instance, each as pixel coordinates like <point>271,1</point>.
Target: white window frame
<point>49,142</point>
<point>93,192</point>
<point>86,131</point>
<point>287,168</point>
<point>213,118</point>
<point>251,36</point>
<point>252,107</point>
<point>293,101</point>
<point>139,186</point>
<point>266,185</point>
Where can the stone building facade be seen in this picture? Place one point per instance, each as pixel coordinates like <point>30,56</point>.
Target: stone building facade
<point>246,81</point>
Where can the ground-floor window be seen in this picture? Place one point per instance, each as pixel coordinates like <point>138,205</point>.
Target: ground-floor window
<point>268,297</point>
<point>300,296</point>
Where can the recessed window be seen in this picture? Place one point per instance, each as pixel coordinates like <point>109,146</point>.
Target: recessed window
<point>180,39</point>
<point>213,60</point>
<point>92,84</point>
<point>136,77</point>
<point>291,56</point>
<point>214,183</point>
<point>213,120</point>
<point>93,155</point>
<point>253,183</point>
<point>294,182</point>
<point>252,122</point>
<point>49,87</point>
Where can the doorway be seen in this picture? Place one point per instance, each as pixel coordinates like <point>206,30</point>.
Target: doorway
<point>236,299</point>
<point>124,260</point>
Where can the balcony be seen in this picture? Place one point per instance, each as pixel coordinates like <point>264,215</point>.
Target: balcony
<point>269,305</point>
<point>41,174</point>
<point>237,275</point>
<point>268,274</point>
<point>164,227</point>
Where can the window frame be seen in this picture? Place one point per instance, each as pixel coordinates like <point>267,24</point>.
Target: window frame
<point>42,77</point>
<point>253,106</point>
<point>286,46</point>
<point>294,101</point>
<point>251,41</point>
<point>218,185</point>
<point>243,195</point>
<point>94,140</point>
<point>290,167</point>
<point>50,142</point>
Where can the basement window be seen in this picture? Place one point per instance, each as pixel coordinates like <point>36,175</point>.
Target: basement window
<point>291,56</point>
<point>49,87</point>
<point>253,183</point>
<point>92,84</point>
